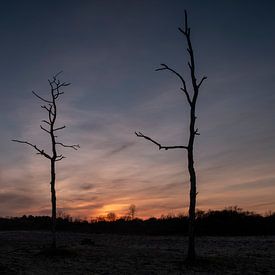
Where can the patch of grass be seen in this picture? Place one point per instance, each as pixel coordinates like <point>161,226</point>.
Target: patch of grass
<point>59,252</point>
<point>4,269</point>
<point>214,263</point>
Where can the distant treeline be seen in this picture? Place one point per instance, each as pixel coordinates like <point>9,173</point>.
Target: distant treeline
<point>227,222</point>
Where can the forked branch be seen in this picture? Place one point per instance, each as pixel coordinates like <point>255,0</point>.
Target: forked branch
<point>58,158</point>
<point>139,134</point>
<point>186,30</point>
<point>56,84</point>
<point>74,146</point>
<point>204,78</point>
<point>184,88</point>
<point>47,122</point>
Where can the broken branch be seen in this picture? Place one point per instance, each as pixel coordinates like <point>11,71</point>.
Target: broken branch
<point>74,146</point>
<point>139,134</point>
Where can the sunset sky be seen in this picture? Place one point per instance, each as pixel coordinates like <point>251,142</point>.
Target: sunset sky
<point>109,50</point>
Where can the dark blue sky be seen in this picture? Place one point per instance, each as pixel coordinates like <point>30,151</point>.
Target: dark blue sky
<point>108,50</point>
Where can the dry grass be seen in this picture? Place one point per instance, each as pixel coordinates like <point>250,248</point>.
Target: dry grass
<point>27,253</point>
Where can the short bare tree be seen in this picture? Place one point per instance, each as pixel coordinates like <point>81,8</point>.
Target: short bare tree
<point>50,106</point>
<point>191,98</point>
<point>111,216</point>
<point>132,211</point>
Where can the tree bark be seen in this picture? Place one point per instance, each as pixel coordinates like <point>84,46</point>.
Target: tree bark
<point>191,254</point>
<point>53,200</point>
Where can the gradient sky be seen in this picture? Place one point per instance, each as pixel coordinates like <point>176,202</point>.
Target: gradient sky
<point>108,50</point>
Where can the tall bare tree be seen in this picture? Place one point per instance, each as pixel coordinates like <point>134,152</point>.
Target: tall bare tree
<point>49,126</point>
<point>191,97</point>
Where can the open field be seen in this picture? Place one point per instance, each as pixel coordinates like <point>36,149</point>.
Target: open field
<point>20,253</point>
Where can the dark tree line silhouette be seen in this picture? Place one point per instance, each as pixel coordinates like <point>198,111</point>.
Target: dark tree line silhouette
<point>227,222</point>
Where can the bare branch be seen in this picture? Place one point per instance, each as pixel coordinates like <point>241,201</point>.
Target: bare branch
<point>197,132</point>
<point>56,84</point>
<point>182,31</point>
<point>48,109</point>
<point>185,21</point>
<point>57,81</point>
<point>40,151</point>
<point>204,78</point>
<point>64,84</point>
<point>139,134</point>
<point>58,158</point>
<point>45,121</point>
<point>45,129</point>
<point>43,99</point>
<point>59,128</point>
<point>184,89</point>
<point>45,107</point>
<point>165,67</point>
<point>187,95</point>
<point>50,113</point>
<point>51,83</point>
<point>57,95</point>
<point>186,30</point>
<point>74,146</point>
<point>56,75</point>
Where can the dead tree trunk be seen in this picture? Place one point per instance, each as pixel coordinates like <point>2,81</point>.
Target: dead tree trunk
<point>193,185</point>
<point>51,109</point>
<point>53,160</point>
<point>191,98</point>
<point>53,200</point>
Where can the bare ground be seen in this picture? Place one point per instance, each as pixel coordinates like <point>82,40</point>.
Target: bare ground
<point>23,252</point>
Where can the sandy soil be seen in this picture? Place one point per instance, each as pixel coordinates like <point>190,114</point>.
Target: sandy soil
<point>24,253</point>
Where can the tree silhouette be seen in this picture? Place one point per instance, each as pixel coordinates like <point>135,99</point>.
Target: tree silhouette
<point>111,216</point>
<point>50,105</point>
<point>132,211</point>
<point>191,98</point>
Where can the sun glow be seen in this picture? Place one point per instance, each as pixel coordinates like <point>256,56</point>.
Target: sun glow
<point>117,208</point>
